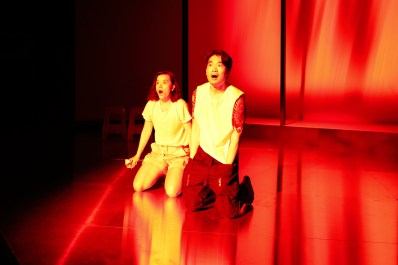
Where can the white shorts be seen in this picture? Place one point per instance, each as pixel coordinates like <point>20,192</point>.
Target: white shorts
<point>165,157</point>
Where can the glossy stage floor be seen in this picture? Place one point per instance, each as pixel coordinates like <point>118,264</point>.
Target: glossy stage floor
<point>322,196</point>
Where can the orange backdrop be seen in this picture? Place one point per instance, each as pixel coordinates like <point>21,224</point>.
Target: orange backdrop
<point>341,55</point>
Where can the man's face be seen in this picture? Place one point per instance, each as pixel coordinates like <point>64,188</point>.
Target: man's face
<point>216,72</point>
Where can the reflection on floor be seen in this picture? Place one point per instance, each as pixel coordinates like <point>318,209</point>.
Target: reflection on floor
<point>318,201</point>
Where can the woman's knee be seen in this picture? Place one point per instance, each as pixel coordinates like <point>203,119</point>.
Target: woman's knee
<point>172,191</point>
<point>172,188</point>
<point>173,182</point>
<point>137,186</point>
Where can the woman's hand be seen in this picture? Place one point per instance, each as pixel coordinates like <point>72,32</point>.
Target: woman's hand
<point>131,162</point>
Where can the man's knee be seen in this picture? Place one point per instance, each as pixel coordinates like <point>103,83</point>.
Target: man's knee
<point>227,207</point>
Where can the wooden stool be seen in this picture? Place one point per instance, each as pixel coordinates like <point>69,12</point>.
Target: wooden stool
<point>136,122</point>
<point>114,122</point>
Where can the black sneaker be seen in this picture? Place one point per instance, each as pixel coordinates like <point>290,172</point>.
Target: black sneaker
<point>247,191</point>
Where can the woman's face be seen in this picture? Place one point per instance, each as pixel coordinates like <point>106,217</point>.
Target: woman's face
<point>164,87</point>
<point>216,72</point>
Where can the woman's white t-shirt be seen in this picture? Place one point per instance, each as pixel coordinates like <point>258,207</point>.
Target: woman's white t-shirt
<point>168,125</point>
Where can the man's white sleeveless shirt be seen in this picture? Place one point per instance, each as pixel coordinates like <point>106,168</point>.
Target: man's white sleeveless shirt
<point>215,120</point>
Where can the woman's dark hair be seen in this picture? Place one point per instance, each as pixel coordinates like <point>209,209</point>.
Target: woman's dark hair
<point>225,58</point>
<point>175,92</point>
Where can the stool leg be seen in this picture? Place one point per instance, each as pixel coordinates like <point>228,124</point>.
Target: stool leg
<point>105,125</point>
<point>130,130</point>
<point>132,127</point>
<point>118,128</point>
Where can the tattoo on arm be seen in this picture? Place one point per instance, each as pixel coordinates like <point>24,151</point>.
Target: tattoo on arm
<point>239,114</point>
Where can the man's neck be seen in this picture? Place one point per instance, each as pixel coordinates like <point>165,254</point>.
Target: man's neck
<point>219,88</point>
